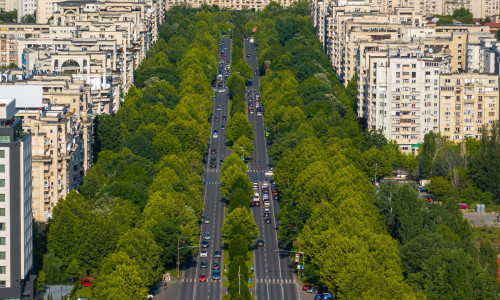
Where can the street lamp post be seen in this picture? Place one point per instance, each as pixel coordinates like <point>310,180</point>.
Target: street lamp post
<point>300,252</point>
<point>178,254</point>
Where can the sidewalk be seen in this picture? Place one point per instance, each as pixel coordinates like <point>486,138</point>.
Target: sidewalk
<point>172,291</point>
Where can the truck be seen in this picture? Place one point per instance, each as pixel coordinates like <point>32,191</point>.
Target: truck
<point>256,199</point>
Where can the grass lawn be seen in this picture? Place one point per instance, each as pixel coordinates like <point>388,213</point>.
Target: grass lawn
<point>491,235</point>
<point>226,261</point>
<point>84,291</point>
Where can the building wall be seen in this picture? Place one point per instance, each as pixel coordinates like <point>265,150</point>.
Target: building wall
<point>467,102</point>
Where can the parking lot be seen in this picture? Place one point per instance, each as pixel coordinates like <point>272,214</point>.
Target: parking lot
<point>482,219</point>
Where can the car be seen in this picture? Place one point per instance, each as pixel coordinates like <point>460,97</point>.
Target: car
<point>221,161</point>
<point>223,117</point>
<point>218,107</point>
<point>269,173</point>
<point>267,220</point>
<point>222,127</point>
<point>202,278</point>
<point>260,242</point>
<point>463,205</point>
<point>216,275</point>
<point>248,55</point>
<point>154,290</point>
<point>309,289</point>
<point>213,151</point>
<point>203,264</point>
<point>318,297</point>
<point>216,134</point>
<point>267,214</point>
<point>266,209</point>
<point>207,236</point>
<point>87,282</point>
<point>259,114</point>
<point>206,220</point>
<point>205,244</point>
<point>217,254</point>
<point>305,287</point>
<point>267,203</point>
<point>327,296</point>
<point>216,119</point>
<point>315,290</point>
<point>203,253</point>
<point>213,163</point>
<point>215,266</point>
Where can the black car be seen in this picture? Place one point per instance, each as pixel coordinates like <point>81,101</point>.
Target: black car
<point>223,117</point>
<point>213,162</point>
<point>260,242</point>
<point>204,244</point>
<point>217,254</point>
<point>215,266</point>
<point>267,220</point>
<point>216,119</point>
<point>203,264</point>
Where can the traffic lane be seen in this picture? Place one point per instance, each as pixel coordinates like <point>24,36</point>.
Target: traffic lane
<point>290,291</point>
<point>187,290</point>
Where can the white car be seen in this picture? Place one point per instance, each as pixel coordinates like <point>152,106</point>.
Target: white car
<point>269,173</point>
<point>266,209</point>
<point>203,253</point>
<point>259,114</point>
<point>207,236</point>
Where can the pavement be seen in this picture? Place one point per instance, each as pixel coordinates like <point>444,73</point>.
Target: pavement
<point>482,219</point>
<point>57,291</point>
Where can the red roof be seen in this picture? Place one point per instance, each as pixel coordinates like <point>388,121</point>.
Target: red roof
<point>493,25</point>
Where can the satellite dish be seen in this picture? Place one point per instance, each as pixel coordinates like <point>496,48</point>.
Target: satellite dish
<point>251,40</point>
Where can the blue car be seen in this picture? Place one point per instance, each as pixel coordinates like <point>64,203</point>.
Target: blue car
<point>223,127</point>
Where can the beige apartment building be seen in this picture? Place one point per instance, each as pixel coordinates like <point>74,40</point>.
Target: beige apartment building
<point>467,102</point>
<point>61,128</point>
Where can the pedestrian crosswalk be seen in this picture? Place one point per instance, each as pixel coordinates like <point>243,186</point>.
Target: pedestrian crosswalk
<point>275,281</point>
<point>269,281</point>
<point>196,280</point>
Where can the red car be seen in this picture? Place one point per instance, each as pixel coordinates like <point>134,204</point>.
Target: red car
<point>463,206</point>
<point>214,151</point>
<point>203,278</point>
<point>86,281</point>
<point>305,287</point>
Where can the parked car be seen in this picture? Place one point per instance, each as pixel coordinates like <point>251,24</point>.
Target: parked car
<point>305,287</point>
<point>310,289</point>
<point>463,205</point>
<point>327,296</point>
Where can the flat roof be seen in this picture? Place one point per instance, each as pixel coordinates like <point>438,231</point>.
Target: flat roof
<point>25,95</point>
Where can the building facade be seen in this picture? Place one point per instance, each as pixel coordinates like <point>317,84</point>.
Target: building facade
<point>16,236</point>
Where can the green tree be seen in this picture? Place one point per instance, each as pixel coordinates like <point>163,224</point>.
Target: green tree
<point>238,126</point>
<point>439,186</point>
<point>74,270</point>
<point>52,267</point>
<point>243,146</point>
<point>40,281</point>
<point>240,216</point>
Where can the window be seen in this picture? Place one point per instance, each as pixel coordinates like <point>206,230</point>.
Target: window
<point>492,81</point>
<point>2,197</point>
<point>2,226</point>
<point>2,182</point>
<point>2,168</point>
<point>3,284</point>
<point>4,138</point>
<point>2,212</point>
<point>3,270</point>
<point>2,255</point>
<point>2,153</point>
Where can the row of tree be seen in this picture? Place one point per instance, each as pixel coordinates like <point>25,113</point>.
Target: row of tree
<point>144,192</point>
<point>240,230</point>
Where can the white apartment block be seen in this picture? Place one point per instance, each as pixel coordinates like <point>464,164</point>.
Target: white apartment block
<point>406,102</point>
<point>16,236</point>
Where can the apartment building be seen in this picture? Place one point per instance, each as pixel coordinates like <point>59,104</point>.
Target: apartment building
<point>57,111</point>
<point>467,102</point>
<point>16,236</point>
<point>405,105</point>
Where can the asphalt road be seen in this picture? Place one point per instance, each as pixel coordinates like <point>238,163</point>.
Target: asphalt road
<point>191,288</point>
<point>273,271</point>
